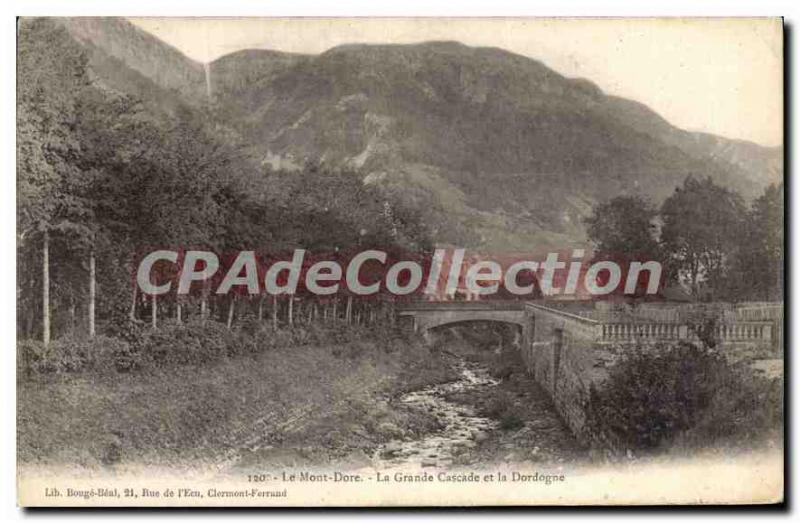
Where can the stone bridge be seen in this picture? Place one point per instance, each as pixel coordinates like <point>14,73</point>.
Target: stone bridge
<point>601,329</point>
<point>423,316</point>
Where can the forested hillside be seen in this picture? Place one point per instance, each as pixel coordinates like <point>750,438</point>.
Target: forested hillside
<point>103,176</point>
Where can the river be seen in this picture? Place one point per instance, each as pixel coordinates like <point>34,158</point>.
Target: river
<point>462,427</point>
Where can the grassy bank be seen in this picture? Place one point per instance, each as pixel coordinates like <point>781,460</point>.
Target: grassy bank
<point>313,396</point>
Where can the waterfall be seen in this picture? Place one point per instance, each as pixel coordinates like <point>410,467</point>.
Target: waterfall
<point>207,69</point>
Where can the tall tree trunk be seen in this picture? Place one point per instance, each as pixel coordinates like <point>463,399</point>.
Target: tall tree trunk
<point>72,314</point>
<point>230,311</point>
<point>274,312</point>
<point>31,309</point>
<point>178,311</point>
<point>348,314</point>
<point>133,303</point>
<point>46,289</point>
<point>154,310</point>
<point>290,313</point>
<point>92,292</point>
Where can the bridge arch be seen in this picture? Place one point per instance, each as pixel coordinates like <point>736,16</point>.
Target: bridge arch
<point>444,322</point>
<point>431,318</point>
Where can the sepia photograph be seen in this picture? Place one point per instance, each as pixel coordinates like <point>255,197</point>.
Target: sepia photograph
<point>399,262</point>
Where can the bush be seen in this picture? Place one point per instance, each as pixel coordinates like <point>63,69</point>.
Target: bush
<point>74,354</point>
<point>189,343</point>
<point>116,354</point>
<point>746,409</point>
<point>133,344</point>
<point>503,409</point>
<point>655,396</point>
<point>510,420</point>
<point>29,355</point>
<point>130,331</point>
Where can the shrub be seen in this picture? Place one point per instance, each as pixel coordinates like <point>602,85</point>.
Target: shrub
<point>130,331</point>
<point>74,354</point>
<point>503,409</point>
<point>116,354</point>
<point>133,344</point>
<point>745,409</point>
<point>189,343</point>
<point>510,420</point>
<point>29,354</point>
<point>654,396</point>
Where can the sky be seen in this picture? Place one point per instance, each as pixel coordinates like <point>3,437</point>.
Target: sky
<point>723,76</point>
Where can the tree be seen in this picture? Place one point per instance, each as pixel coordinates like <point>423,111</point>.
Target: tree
<point>766,232</point>
<point>100,178</point>
<point>702,224</point>
<point>758,261</point>
<point>54,71</point>
<point>624,226</point>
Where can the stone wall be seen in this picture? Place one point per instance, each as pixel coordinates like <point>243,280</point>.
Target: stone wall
<point>561,354</point>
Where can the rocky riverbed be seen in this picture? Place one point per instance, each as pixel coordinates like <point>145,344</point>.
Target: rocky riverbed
<point>478,408</point>
<point>462,426</point>
<point>483,420</point>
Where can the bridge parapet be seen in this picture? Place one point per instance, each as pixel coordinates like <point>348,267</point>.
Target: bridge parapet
<point>610,332</point>
<point>599,330</point>
<point>569,322</point>
<point>646,332</point>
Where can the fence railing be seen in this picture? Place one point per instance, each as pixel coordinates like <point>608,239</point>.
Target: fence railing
<point>751,330</point>
<point>741,328</point>
<point>636,331</point>
<point>760,331</point>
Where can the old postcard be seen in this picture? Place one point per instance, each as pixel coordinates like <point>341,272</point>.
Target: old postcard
<point>399,262</point>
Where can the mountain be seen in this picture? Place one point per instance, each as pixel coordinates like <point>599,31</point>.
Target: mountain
<point>130,60</point>
<point>515,149</point>
<point>506,147</point>
<point>757,163</point>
